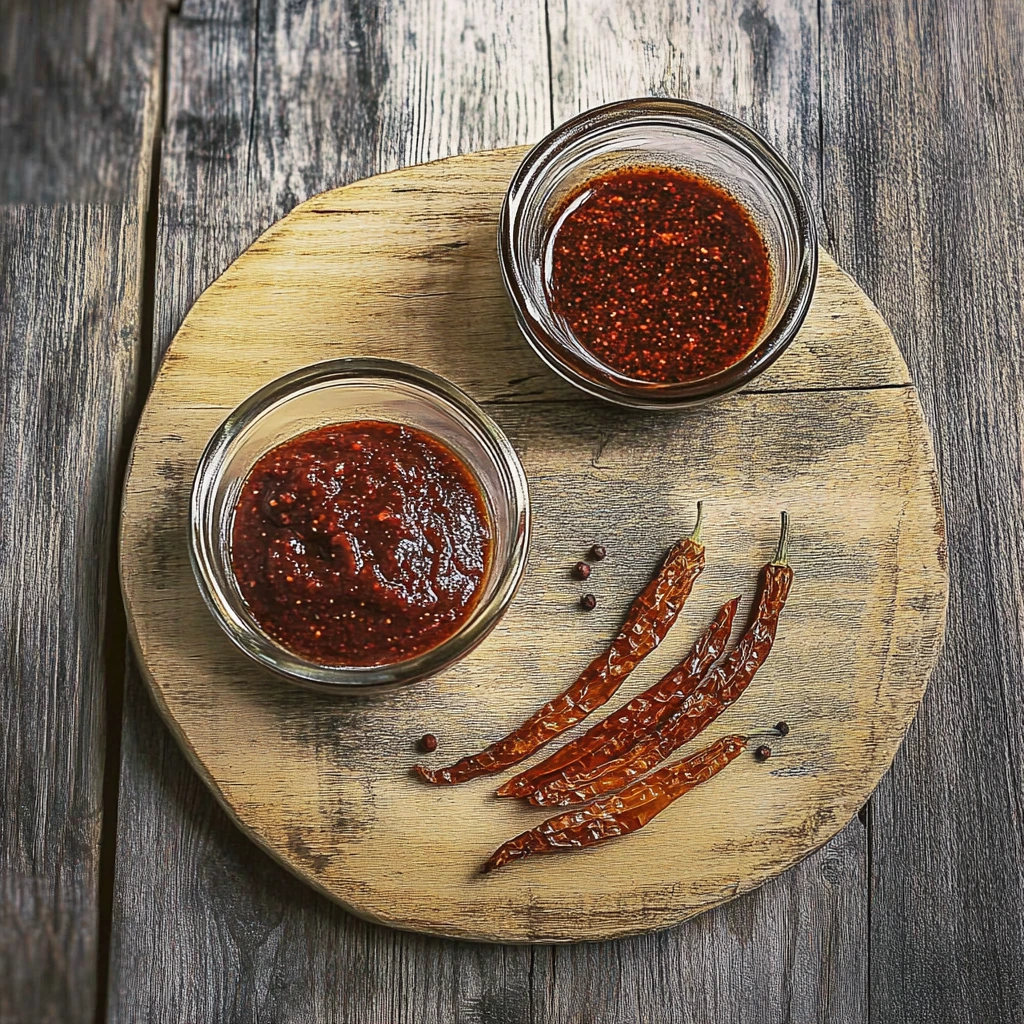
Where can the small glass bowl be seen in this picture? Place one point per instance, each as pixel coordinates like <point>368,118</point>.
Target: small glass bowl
<point>337,391</point>
<point>663,133</point>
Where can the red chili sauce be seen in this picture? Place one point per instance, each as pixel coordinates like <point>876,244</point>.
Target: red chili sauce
<point>659,273</point>
<point>361,543</point>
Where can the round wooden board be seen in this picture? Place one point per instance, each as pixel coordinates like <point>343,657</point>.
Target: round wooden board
<point>404,265</point>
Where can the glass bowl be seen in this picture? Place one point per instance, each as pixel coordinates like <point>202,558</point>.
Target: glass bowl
<point>663,133</point>
<point>337,391</point>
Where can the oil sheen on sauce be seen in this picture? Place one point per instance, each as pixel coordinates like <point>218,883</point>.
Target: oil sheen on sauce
<point>362,543</point>
<point>662,275</point>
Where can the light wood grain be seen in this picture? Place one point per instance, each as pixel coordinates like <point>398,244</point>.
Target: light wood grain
<point>395,280</point>
<point>854,466</point>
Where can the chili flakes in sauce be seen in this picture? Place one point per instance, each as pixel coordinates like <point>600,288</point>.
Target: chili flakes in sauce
<point>661,274</point>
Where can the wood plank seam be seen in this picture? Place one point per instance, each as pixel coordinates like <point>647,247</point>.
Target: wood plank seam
<point>117,641</point>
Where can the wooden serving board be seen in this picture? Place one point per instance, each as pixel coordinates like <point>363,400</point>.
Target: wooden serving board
<point>403,265</point>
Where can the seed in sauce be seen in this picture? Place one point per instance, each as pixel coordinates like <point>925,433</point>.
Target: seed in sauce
<point>362,543</point>
<point>662,275</point>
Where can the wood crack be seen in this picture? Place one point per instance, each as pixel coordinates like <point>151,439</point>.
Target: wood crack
<point>510,398</point>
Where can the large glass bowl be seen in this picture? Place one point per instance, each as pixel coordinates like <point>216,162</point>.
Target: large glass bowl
<point>664,133</point>
<point>335,392</point>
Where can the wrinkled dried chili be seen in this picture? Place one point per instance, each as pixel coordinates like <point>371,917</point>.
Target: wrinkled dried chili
<point>620,730</point>
<point>649,618</point>
<point>689,715</point>
<point>621,813</point>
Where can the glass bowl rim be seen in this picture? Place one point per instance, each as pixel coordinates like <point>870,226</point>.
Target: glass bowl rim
<point>640,394</point>
<point>205,551</point>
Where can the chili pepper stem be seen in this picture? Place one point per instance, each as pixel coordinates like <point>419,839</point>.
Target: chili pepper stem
<point>695,535</point>
<point>782,551</point>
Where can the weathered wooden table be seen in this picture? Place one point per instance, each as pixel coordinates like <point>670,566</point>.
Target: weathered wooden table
<point>142,147</point>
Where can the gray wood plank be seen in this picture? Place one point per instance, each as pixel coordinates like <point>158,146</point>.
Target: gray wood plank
<point>758,61</point>
<point>924,200</point>
<point>68,357</point>
<point>269,102</point>
<point>791,951</point>
<point>796,949</point>
<point>78,99</point>
<point>77,111</point>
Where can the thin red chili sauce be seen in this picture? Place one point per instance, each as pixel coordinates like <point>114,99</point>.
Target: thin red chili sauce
<point>362,543</point>
<point>660,274</point>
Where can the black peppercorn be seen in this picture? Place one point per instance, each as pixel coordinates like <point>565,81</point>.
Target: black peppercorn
<point>429,743</point>
<point>782,728</point>
<point>597,552</point>
<point>581,570</point>
<point>763,753</point>
<point>588,602</point>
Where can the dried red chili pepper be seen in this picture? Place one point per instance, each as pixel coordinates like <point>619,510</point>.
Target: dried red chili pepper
<point>688,715</point>
<point>649,618</point>
<point>620,730</point>
<point>620,813</point>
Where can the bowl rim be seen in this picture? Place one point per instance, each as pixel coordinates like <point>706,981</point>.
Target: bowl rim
<point>204,551</point>
<point>642,394</point>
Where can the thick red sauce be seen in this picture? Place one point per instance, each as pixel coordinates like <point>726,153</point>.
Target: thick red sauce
<point>661,274</point>
<point>361,543</point>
